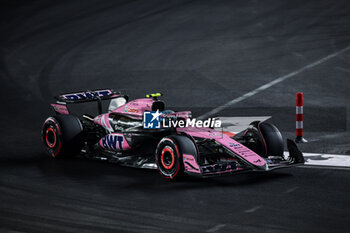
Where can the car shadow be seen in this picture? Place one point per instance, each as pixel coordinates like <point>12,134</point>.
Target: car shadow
<point>127,177</point>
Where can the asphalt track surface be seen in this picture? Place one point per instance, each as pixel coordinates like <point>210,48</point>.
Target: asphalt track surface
<point>200,54</point>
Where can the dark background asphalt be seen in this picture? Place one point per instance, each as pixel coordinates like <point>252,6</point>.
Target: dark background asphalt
<point>200,54</point>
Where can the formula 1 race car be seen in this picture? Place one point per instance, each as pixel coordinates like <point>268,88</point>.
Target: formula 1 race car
<point>133,133</point>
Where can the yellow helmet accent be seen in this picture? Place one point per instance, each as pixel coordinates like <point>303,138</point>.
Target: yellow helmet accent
<point>154,95</point>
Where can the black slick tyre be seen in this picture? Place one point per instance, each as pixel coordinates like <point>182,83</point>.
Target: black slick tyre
<point>62,136</point>
<point>169,158</point>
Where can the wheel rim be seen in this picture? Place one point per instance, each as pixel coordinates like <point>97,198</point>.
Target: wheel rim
<point>51,137</point>
<point>168,158</point>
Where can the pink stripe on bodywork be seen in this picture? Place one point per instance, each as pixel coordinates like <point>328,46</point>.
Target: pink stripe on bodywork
<point>61,109</point>
<point>103,120</point>
<point>136,107</point>
<point>242,151</point>
<point>191,164</point>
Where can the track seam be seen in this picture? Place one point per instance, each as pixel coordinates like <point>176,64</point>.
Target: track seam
<point>272,83</point>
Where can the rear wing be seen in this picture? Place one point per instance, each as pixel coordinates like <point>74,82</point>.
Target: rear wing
<point>85,96</point>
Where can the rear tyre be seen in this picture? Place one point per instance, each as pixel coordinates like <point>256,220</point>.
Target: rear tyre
<point>169,158</point>
<point>62,136</point>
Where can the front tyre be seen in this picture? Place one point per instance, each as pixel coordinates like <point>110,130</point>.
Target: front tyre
<point>169,158</point>
<point>62,136</point>
<point>264,139</point>
<point>272,138</point>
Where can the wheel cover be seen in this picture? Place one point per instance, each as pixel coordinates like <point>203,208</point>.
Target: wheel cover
<point>51,137</point>
<point>167,158</point>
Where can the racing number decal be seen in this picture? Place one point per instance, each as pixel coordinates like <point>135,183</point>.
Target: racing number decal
<point>113,142</point>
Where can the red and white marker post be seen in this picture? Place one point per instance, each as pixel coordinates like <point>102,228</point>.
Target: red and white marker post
<point>299,119</point>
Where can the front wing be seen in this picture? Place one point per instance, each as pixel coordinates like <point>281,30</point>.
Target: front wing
<point>237,165</point>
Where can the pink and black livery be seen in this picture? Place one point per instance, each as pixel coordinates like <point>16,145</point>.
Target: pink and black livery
<point>118,135</point>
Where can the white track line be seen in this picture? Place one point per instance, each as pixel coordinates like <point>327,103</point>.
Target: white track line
<point>329,160</point>
<point>272,83</point>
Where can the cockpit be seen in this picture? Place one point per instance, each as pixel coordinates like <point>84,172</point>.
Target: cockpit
<point>116,103</point>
